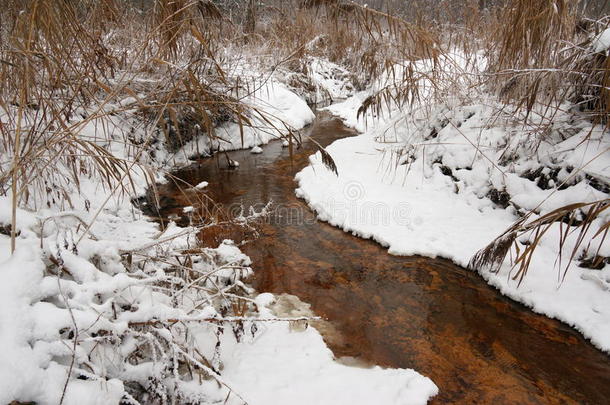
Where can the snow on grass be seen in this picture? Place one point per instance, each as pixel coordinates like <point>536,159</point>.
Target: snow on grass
<point>29,368</point>
<point>283,111</point>
<point>20,375</point>
<point>331,81</point>
<point>426,186</point>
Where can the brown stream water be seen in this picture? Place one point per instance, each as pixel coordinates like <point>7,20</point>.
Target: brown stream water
<point>409,312</point>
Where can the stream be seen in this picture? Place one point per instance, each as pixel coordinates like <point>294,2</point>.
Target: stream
<point>404,312</point>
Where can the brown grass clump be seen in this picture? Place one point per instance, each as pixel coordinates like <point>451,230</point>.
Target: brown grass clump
<point>591,88</point>
<point>574,219</point>
<point>541,58</point>
<point>65,67</point>
<point>527,51</point>
<point>51,64</point>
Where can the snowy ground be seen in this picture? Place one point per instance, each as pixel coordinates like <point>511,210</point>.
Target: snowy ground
<point>283,111</point>
<point>289,365</point>
<point>280,109</point>
<point>87,313</point>
<point>427,186</point>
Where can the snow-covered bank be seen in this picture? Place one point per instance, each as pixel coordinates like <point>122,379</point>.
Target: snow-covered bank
<point>277,111</point>
<point>99,306</point>
<point>445,187</point>
<point>279,106</point>
<point>99,296</point>
<point>288,365</point>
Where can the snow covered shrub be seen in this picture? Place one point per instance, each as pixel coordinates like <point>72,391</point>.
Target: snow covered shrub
<point>49,80</point>
<point>145,324</point>
<point>546,53</point>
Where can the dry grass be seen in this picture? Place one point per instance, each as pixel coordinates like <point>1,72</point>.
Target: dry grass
<point>575,221</point>
<point>52,61</point>
<point>542,59</point>
<point>363,40</point>
<point>67,66</point>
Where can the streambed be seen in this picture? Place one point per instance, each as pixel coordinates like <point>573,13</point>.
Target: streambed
<point>409,312</point>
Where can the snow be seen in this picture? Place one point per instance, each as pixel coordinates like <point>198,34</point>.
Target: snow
<point>276,365</point>
<point>256,150</point>
<point>286,366</point>
<point>421,217</point>
<point>283,111</point>
<point>602,42</point>
<point>393,187</point>
<point>19,374</point>
<point>272,367</point>
<point>27,372</point>
<point>331,81</point>
<point>128,101</point>
<point>201,185</point>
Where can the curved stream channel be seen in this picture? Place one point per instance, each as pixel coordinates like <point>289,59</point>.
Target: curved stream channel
<point>408,312</point>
